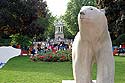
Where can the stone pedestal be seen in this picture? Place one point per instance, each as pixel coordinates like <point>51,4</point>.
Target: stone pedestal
<point>72,81</point>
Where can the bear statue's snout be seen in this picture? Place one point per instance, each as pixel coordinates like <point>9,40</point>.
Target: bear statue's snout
<point>82,13</point>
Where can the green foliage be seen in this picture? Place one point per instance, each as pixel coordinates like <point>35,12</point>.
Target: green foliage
<point>26,17</point>
<point>119,40</point>
<point>49,31</point>
<point>38,27</point>
<point>70,17</point>
<point>20,39</point>
<point>115,12</point>
<point>5,42</point>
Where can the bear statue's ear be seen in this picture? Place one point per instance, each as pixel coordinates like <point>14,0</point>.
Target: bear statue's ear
<point>102,10</point>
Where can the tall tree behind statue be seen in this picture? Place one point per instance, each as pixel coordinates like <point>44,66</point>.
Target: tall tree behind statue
<point>70,17</point>
<point>115,12</point>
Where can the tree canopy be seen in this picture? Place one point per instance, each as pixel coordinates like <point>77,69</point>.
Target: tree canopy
<point>70,17</point>
<point>27,17</point>
<point>115,12</point>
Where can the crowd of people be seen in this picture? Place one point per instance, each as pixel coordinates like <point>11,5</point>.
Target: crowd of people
<point>53,47</point>
<point>118,50</point>
<point>42,48</point>
<point>39,48</point>
<point>18,46</point>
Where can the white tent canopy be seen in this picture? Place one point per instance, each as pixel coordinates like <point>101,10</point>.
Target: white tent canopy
<point>6,53</point>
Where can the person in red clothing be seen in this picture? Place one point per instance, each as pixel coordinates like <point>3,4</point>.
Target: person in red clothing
<point>115,51</point>
<point>123,45</point>
<point>54,48</point>
<point>18,46</point>
<point>31,49</point>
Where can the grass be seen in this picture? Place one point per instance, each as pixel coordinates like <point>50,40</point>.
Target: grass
<point>22,70</point>
<point>119,69</point>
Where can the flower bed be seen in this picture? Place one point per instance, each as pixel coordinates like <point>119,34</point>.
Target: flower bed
<point>59,56</point>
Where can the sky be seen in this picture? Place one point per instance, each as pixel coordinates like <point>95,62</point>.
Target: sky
<point>57,7</point>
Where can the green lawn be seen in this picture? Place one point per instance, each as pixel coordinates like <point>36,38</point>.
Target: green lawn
<point>22,70</point>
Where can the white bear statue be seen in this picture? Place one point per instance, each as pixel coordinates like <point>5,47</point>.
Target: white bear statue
<point>92,44</point>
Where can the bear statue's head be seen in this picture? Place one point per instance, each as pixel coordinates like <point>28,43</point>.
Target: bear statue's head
<point>92,22</point>
<point>91,15</point>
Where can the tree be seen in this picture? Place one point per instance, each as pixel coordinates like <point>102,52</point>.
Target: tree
<point>119,40</point>
<point>70,17</point>
<point>50,30</point>
<point>23,16</point>
<point>20,39</point>
<point>115,12</point>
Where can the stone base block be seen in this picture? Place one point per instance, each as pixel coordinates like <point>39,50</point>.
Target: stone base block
<point>73,81</point>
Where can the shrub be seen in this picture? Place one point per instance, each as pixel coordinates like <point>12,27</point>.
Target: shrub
<point>60,56</point>
<point>119,40</point>
<point>20,39</point>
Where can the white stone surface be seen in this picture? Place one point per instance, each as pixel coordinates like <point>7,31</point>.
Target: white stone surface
<point>73,81</point>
